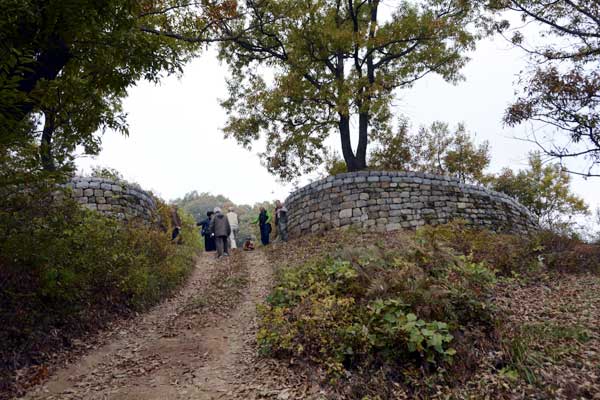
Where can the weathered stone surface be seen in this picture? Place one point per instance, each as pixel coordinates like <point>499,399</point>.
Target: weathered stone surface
<point>383,201</point>
<point>346,213</point>
<point>116,198</point>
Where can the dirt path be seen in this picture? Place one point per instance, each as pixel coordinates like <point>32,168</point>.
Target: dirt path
<point>171,353</point>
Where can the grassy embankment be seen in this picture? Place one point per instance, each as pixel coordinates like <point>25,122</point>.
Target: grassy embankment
<point>444,311</point>
<point>65,272</point>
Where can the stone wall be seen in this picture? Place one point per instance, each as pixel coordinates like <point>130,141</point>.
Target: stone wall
<point>115,198</point>
<point>386,201</point>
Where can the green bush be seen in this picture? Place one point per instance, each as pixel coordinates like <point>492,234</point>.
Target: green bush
<point>371,306</point>
<point>508,254</point>
<point>64,270</point>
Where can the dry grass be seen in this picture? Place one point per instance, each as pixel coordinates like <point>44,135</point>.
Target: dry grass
<point>547,338</point>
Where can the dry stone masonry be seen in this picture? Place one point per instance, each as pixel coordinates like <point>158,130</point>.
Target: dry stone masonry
<point>119,199</point>
<point>386,201</point>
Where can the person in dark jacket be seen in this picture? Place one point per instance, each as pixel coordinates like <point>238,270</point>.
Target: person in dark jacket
<point>209,240</point>
<point>264,222</point>
<point>220,228</point>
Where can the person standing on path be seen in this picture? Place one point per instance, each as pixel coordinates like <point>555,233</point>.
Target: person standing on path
<point>281,220</point>
<point>264,222</point>
<point>219,226</point>
<point>232,217</point>
<point>209,240</point>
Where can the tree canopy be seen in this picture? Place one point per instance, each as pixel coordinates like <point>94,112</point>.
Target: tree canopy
<point>544,189</point>
<point>436,149</point>
<point>562,91</point>
<point>66,64</point>
<point>333,64</point>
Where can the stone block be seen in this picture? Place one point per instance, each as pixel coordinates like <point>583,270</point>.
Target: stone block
<point>347,204</point>
<point>88,192</point>
<point>361,203</point>
<point>345,213</point>
<point>393,227</point>
<point>382,221</point>
<point>351,197</point>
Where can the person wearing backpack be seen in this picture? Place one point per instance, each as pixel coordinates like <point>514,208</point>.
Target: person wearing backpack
<point>209,240</point>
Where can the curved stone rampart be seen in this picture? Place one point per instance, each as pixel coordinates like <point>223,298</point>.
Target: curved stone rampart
<point>386,201</point>
<point>119,199</point>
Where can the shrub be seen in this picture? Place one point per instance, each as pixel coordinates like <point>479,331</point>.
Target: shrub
<point>508,254</point>
<point>106,172</point>
<point>64,270</point>
<point>370,306</point>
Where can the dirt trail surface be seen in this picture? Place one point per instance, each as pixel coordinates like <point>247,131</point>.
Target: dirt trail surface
<point>189,347</point>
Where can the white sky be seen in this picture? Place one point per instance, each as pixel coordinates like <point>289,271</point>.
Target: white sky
<point>176,145</point>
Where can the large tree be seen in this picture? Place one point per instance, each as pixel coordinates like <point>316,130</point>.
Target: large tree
<point>302,70</point>
<point>66,64</point>
<point>562,90</point>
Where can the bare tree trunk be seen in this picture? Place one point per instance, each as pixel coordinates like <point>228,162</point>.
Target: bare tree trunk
<point>47,66</point>
<point>365,102</point>
<point>46,157</point>
<point>349,157</point>
<point>363,140</point>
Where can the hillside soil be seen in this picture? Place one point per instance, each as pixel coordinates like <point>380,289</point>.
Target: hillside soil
<point>200,344</point>
<point>548,335</point>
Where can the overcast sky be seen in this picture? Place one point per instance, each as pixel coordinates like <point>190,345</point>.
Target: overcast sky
<point>176,145</point>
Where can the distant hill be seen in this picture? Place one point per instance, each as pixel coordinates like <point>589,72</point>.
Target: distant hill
<point>198,204</point>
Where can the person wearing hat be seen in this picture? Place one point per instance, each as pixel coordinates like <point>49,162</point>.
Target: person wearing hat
<point>232,217</point>
<point>219,226</point>
<point>209,240</point>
